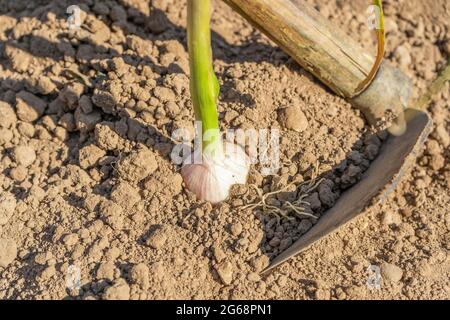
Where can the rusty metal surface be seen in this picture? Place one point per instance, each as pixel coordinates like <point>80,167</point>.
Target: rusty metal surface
<point>390,91</point>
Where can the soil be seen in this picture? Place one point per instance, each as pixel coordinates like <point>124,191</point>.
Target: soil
<point>87,184</point>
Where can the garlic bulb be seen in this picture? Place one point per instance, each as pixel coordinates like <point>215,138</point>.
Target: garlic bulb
<point>212,179</point>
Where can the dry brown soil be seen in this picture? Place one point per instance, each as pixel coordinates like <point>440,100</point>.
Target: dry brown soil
<point>86,180</point>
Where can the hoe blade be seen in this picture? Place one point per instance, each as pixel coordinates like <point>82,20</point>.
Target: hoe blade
<point>397,155</point>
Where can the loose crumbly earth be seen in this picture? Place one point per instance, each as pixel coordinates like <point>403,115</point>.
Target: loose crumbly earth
<point>87,184</point>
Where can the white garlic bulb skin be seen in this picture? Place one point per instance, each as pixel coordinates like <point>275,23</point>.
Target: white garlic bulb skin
<point>211,180</point>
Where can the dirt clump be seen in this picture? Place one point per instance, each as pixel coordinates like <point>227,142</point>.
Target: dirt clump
<point>8,252</point>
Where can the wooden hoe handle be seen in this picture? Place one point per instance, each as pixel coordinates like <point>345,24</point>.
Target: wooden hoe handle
<point>329,54</point>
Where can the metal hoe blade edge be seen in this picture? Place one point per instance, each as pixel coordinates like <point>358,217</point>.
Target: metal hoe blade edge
<point>397,155</point>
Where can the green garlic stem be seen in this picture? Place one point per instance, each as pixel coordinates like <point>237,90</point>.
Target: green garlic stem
<point>203,81</point>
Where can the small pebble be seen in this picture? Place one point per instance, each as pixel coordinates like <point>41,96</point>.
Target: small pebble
<point>236,229</point>
<point>139,274</point>
<point>293,118</point>
<point>8,252</point>
<point>7,206</point>
<point>157,239</point>
<point>391,272</point>
<point>254,277</point>
<point>225,272</point>
<point>24,155</point>
<point>274,242</point>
